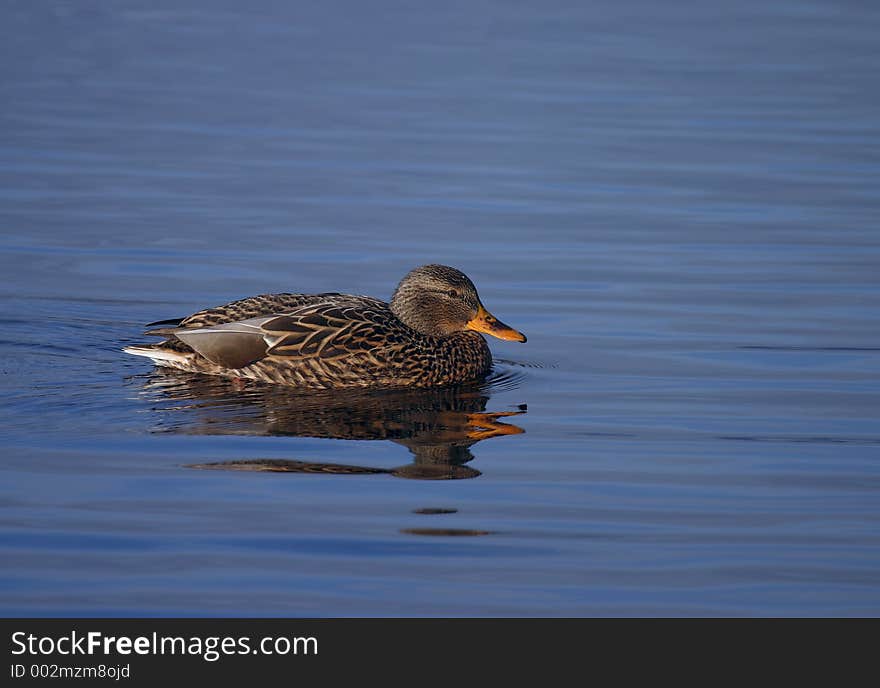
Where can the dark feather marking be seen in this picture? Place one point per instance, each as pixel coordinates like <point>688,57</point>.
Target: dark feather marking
<point>317,318</point>
<point>290,340</point>
<point>171,321</point>
<point>285,323</point>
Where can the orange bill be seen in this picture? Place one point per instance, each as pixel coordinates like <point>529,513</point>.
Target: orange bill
<point>487,323</point>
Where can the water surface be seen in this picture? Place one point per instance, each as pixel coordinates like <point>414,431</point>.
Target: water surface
<point>676,202</point>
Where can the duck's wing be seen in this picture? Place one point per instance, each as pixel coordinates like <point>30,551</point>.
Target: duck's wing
<point>327,330</point>
<point>265,305</point>
<point>242,309</point>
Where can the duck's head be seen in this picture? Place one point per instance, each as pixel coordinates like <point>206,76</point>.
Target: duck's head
<point>439,300</point>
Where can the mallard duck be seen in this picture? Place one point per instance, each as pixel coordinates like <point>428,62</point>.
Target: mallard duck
<point>428,336</point>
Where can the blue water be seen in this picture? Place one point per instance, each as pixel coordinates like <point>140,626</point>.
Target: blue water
<point>676,202</point>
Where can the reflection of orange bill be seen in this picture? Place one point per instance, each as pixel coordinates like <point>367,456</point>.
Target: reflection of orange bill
<point>486,425</point>
<point>487,323</point>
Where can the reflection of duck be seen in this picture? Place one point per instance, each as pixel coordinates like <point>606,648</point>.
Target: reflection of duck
<point>427,336</point>
<point>439,426</point>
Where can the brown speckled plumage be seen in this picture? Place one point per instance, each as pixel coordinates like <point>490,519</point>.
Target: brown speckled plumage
<point>424,338</point>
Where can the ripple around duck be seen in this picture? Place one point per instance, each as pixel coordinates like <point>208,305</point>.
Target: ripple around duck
<point>524,364</point>
<point>504,380</point>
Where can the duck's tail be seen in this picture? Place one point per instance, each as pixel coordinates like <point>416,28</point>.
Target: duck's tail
<point>162,356</point>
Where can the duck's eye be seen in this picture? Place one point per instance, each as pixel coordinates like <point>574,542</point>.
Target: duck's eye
<point>452,293</point>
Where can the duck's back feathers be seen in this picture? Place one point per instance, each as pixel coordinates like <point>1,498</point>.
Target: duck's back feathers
<point>264,305</point>
<point>334,330</point>
<point>339,328</point>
